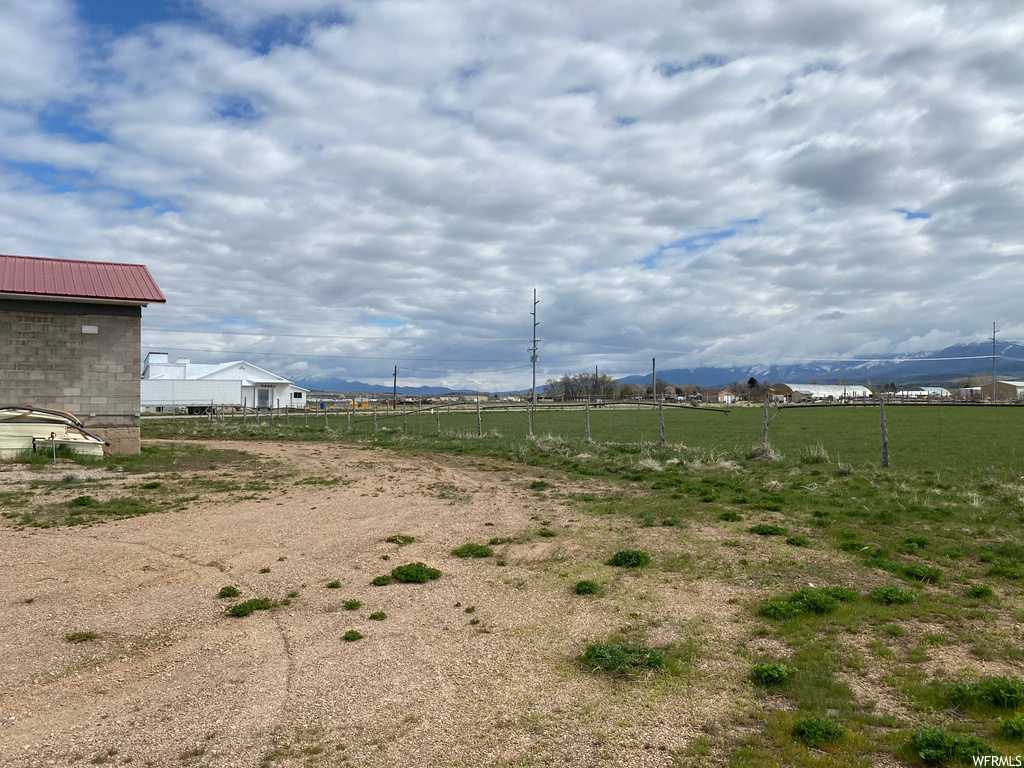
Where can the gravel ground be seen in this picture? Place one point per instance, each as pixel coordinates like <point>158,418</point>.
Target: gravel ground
<point>172,681</point>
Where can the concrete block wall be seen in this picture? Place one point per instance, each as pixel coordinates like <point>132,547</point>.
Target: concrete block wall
<point>81,358</point>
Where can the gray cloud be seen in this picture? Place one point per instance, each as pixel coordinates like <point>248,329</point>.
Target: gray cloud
<point>393,179</point>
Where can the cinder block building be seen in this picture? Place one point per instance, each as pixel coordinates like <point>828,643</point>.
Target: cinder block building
<point>70,340</point>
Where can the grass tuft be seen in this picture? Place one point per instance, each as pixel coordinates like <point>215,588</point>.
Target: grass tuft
<point>764,529</point>
<point>400,539</point>
<point>250,606</point>
<point>80,637</point>
<point>228,591</point>
<point>472,550</point>
<point>351,636</point>
<point>937,747</point>
<point>622,659</point>
<point>588,588</point>
<point>381,581</point>
<point>352,605</point>
<point>630,558</point>
<point>892,595</point>
<point>415,573</point>
<point>768,674</point>
<point>813,731</point>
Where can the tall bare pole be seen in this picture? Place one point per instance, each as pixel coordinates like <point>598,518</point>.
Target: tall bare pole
<point>394,388</point>
<point>654,380</point>
<point>993,362</point>
<point>533,348</point>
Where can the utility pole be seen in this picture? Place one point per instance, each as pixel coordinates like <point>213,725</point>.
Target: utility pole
<point>533,347</point>
<point>993,362</point>
<point>654,381</point>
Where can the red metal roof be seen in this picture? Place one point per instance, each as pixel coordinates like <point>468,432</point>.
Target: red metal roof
<point>64,278</point>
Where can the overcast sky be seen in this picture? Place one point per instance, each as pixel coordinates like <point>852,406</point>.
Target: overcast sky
<point>342,187</point>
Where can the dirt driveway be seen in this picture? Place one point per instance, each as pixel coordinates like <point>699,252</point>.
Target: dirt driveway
<point>477,668</point>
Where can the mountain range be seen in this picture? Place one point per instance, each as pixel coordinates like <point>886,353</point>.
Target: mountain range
<point>938,367</point>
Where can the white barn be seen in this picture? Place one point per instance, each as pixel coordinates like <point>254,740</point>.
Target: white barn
<point>236,383</point>
<point>798,393</point>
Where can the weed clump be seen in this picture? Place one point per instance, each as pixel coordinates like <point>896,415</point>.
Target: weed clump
<point>587,588</point>
<point>336,584</point>
<point>547,533</point>
<point>923,573</point>
<point>769,674</point>
<point>1000,692</point>
<point>352,605</point>
<point>630,558</point>
<point>892,595</point>
<point>980,592</point>
<point>250,606</point>
<point>817,600</point>
<point>351,636</point>
<point>472,550</point>
<point>381,581</point>
<point>378,616</point>
<point>622,659</point>
<point>80,637</point>
<point>400,539</point>
<point>415,573</point>
<point>813,731</point>
<point>798,541</point>
<point>83,501</point>
<point>764,529</point>
<point>937,747</point>
<point>730,516</point>
<point>228,591</point>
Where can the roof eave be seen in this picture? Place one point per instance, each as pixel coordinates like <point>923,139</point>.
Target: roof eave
<point>80,299</point>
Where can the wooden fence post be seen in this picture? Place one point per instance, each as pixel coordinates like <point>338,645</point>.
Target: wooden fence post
<point>885,432</point>
<point>661,421</point>
<point>529,421</point>
<point>374,415</point>
<point>586,415</point>
<point>479,420</point>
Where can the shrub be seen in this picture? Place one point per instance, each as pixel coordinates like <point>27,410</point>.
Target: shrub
<point>630,558</point>
<point>763,529</point>
<point>539,485</point>
<point>378,616</point>
<point>769,674</point>
<point>336,584</point>
<point>381,581</point>
<point>1001,692</point>
<point>798,541</point>
<point>400,539</point>
<point>730,516</point>
<point>813,731</point>
<point>83,501</point>
<point>351,636</point>
<point>980,592</point>
<point>352,605</point>
<point>472,550</point>
<point>922,573</point>
<point>937,747</point>
<point>228,591</point>
<point>818,600</point>
<point>892,595</point>
<point>587,588</point>
<point>1012,728</point>
<point>622,659</point>
<point>80,637</point>
<point>415,573</point>
<point>249,606</point>
<point>547,533</point>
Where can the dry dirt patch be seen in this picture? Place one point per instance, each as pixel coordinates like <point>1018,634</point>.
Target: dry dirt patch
<point>170,680</point>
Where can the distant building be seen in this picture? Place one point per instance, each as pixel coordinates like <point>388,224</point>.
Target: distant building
<point>70,340</point>
<point>800,393</point>
<point>1006,390</point>
<point>916,393</point>
<point>238,383</point>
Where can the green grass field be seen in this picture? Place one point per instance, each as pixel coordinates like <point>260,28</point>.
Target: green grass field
<point>918,568</point>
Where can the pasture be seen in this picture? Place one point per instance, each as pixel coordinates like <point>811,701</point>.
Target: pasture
<point>812,609</point>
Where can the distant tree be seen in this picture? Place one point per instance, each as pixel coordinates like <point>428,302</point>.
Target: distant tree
<point>751,383</point>
<point>629,391</point>
<point>662,386</point>
<point>890,387</point>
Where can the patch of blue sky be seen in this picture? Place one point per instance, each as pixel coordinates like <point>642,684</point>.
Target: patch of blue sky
<point>61,181</point>
<point>69,121</point>
<point>52,179</point>
<point>238,108</point>
<point>707,61</point>
<point>694,242</point>
<point>909,215</point>
<point>238,321</point>
<point>387,322</point>
<point>292,30</point>
<point>623,121</point>
<point>122,16</point>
